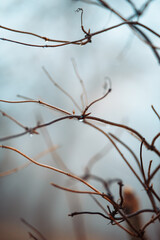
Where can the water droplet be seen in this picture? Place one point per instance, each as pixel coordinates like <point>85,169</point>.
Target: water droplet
<point>81,120</point>
<point>31,134</point>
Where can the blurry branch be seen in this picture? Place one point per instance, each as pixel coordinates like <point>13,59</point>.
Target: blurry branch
<point>84,94</point>
<point>12,119</point>
<point>138,12</point>
<point>61,89</point>
<point>96,158</point>
<point>33,229</point>
<point>127,147</point>
<point>99,155</point>
<point>32,236</point>
<point>133,26</point>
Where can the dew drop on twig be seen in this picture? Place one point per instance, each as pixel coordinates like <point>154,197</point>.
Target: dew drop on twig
<point>81,120</point>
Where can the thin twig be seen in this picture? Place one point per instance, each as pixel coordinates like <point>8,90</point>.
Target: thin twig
<point>39,102</point>
<point>73,191</point>
<point>127,147</point>
<point>95,101</point>
<point>149,170</point>
<point>61,89</point>
<point>141,162</point>
<point>155,138</point>
<point>80,80</point>
<point>155,112</point>
<point>153,219</point>
<point>12,119</point>
<point>89,213</point>
<point>40,155</point>
<point>56,170</point>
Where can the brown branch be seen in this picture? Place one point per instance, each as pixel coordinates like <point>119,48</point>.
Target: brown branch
<point>84,40</point>
<point>155,138</point>
<point>39,102</point>
<point>153,219</point>
<point>40,155</point>
<point>155,112</point>
<point>82,27</point>
<point>149,170</point>
<point>120,193</point>
<point>89,213</point>
<point>73,191</point>
<point>95,101</point>
<point>153,173</point>
<point>12,119</point>
<point>141,162</point>
<point>32,34</point>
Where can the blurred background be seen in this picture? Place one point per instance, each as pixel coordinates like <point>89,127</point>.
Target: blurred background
<point>135,76</point>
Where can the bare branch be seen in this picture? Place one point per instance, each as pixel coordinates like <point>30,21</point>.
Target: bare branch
<point>89,213</point>
<point>73,191</point>
<point>39,102</point>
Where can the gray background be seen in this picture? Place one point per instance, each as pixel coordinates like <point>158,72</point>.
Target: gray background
<point>117,54</point>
